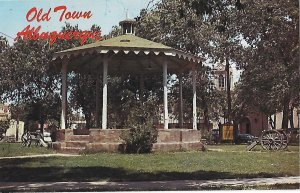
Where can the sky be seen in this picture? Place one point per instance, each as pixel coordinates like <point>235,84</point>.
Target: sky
<point>105,13</point>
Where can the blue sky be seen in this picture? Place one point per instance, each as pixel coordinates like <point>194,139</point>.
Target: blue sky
<point>105,13</point>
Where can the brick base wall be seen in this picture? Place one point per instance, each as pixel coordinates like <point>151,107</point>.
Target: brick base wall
<point>109,140</point>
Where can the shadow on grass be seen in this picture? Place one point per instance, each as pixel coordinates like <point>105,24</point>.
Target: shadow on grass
<point>13,171</point>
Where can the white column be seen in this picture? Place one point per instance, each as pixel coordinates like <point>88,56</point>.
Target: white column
<point>194,101</point>
<point>165,81</point>
<point>97,100</point>
<point>104,106</point>
<point>180,103</point>
<point>63,119</point>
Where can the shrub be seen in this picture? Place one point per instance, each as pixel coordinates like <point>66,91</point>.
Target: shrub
<point>4,125</point>
<point>139,139</point>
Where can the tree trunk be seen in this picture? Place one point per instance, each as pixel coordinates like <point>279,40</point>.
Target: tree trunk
<point>42,122</point>
<point>291,117</point>
<point>206,118</point>
<point>88,120</point>
<point>285,114</point>
<point>228,90</point>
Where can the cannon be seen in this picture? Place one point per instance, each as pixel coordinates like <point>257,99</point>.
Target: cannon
<point>38,138</point>
<point>271,140</point>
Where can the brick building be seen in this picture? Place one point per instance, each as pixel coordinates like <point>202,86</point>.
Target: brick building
<point>253,122</point>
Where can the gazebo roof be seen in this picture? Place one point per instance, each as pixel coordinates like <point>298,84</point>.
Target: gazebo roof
<point>123,41</point>
<point>128,48</point>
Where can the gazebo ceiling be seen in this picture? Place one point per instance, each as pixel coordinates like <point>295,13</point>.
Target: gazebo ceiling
<point>126,54</point>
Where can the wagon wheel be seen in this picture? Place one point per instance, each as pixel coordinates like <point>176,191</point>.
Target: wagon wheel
<point>26,139</point>
<point>285,139</point>
<point>271,140</point>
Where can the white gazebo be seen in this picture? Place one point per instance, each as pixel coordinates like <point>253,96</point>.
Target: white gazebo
<point>126,54</point>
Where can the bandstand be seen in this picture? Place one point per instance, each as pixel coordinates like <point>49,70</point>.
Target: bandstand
<point>126,54</point>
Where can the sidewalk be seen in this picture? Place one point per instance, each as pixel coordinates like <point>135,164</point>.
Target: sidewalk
<point>40,155</point>
<point>146,186</point>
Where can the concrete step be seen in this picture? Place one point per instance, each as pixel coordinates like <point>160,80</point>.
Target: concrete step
<point>78,138</point>
<point>105,147</point>
<point>81,144</point>
<point>71,149</point>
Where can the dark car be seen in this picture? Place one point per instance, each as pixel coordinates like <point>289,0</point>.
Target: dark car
<point>293,134</point>
<point>244,138</point>
<point>294,131</point>
<point>215,136</point>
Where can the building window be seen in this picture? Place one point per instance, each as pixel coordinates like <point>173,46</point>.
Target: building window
<point>221,81</point>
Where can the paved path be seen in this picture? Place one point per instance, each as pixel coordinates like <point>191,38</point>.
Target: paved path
<point>151,185</point>
<point>40,155</point>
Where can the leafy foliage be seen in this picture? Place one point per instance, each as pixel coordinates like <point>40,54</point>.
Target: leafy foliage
<point>139,139</point>
<point>4,125</point>
<point>142,133</point>
<point>270,60</point>
<point>81,85</point>
<point>29,82</point>
<point>260,37</point>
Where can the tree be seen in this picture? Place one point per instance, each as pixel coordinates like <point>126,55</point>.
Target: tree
<point>81,86</point>
<point>270,60</point>
<point>26,78</point>
<point>202,27</point>
<point>115,31</point>
<point>210,101</point>
<point>4,125</point>
<point>218,30</point>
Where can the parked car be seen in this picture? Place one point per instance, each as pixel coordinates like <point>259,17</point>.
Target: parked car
<point>293,134</point>
<point>294,131</point>
<point>215,136</point>
<point>244,138</point>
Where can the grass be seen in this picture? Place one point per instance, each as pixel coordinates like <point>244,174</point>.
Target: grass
<point>241,148</point>
<point>255,187</point>
<point>219,162</point>
<point>16,149</point>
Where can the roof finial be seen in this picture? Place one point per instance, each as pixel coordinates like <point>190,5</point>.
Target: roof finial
<point>127,25</point>
<point>126,14</point>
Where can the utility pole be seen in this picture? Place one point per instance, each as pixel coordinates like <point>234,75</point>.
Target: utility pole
<point>228,91</point>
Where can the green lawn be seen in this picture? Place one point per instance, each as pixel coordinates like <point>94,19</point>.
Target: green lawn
<point>225,161</point>
<point>242,148</point>
<point>16,149</point>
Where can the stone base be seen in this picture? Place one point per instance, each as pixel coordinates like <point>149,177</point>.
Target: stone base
<point>109,141</point>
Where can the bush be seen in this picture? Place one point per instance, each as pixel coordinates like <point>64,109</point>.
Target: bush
<point>139,139</point>
<point>4,125</point>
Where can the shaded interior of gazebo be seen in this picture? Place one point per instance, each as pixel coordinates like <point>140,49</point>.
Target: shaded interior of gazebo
<point>126,54</point>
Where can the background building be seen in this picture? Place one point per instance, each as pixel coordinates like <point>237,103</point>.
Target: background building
<point>277,118</point>
<point>220,77</point>
<point>253,122</point>
<point>14,128</point>
<point>4,112</point>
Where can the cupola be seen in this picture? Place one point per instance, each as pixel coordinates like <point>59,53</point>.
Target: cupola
<point>127,26</point>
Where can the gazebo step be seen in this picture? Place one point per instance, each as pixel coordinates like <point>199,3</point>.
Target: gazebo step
<point>81,144</point>
<point>79,138</point>
<point>104,147</point>
<point>72,149</point>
